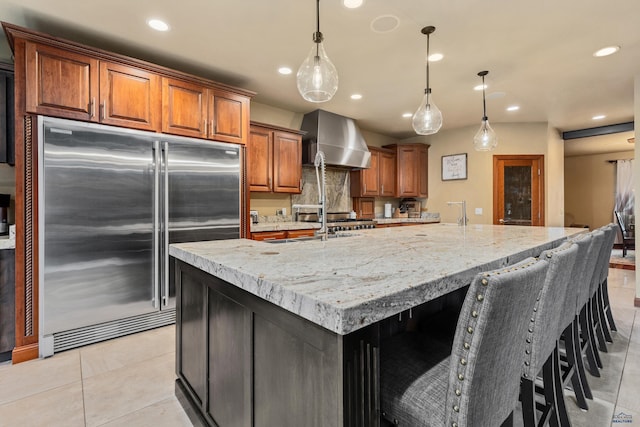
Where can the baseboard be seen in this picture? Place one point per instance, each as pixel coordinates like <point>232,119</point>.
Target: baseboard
<point>636,302</point>
<point>24,353</point>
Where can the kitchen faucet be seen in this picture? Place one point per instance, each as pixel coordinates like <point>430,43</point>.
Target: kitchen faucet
<point>319,163</point>
<point>463,220</point>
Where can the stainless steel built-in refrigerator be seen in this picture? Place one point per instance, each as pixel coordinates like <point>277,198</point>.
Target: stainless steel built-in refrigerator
<point>111,202</point>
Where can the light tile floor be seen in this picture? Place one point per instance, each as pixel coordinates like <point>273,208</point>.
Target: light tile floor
<point>130,381</point>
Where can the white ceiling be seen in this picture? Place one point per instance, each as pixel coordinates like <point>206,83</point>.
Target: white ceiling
<point>539,53</point>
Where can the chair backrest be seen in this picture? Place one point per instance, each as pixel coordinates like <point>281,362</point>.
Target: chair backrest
<point>591,273</point>
<point>545,317</point>
<point>580,278</point>
<point>623,228</point>
<point>489,344</point>
<point>610,231</point>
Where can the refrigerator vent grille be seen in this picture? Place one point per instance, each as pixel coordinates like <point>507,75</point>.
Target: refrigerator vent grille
<point>95,333</point>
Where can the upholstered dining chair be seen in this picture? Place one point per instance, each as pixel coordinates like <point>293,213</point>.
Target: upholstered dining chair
<point>587,339</point>
<point>542,341</point>
<point>628,241</point>
<point>573,366</point>
<point>606,314</point>
<point>599,321</point>
<point>425,382</point>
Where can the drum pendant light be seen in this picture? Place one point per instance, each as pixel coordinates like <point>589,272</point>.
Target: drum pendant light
<point>427,119</point>
<point>485,139</point>
<point>317,77</point>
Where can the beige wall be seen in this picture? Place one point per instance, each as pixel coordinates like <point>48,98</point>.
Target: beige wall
<point>590,188</point>
<point>636,170</point>
<point>477,190</point>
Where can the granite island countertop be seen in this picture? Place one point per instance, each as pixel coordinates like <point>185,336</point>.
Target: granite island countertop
<point>347,283</point>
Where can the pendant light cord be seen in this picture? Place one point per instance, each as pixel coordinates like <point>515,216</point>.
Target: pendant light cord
<point>428,89</point>
<point>317,37</point>
<point>484,103</point>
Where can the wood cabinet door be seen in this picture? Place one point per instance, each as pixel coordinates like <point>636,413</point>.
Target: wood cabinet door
<point>269,235</point>
<point>260,159</point>
<point>287,162</point>
<point>184,108</point>
<point>229,116</point>
<point>423,172</point>
<point>292,234</point>
<point>408,164</point>
<point>129,97</point>
<point>387,174</point>
<point>364,207</point>
<point>60,83</point>
<point>370,177</point>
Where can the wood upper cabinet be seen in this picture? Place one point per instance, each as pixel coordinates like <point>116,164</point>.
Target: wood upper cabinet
<point>129,97</point>
<point>274,159</point>
<point>60,83</point>
<point>228,116</point>
<point>192,109</point>
<point>184,108</point>
<point>379,179</point>
<point>63,83</point>
<point>412,169</point>
<point>387,173</point>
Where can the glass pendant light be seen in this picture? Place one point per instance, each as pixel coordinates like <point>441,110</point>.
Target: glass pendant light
<point>485,139</point>
<point>427,119</point>
<point>317,77</point>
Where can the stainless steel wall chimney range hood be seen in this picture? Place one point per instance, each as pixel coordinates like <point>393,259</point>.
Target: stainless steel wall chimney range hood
<point>337,136</point>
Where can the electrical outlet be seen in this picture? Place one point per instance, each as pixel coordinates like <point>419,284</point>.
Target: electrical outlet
<point>478,211</point>
<point>284,211</point>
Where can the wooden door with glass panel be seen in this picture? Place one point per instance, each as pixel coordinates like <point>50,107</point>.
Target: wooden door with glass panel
<point>518,190</point>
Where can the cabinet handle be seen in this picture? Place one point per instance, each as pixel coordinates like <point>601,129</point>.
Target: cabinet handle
<point>213,128</point>
<point>270,184</point>
<point>365,188</point>
<point>205,128</point>
<point>103,109</point>
<point>92,107</point>
<point>300,185</point>
<point>382,189</point>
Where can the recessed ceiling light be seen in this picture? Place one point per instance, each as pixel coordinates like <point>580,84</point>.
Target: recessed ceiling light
<point>513,108</point>
<point>352,4</point>
<point>435,57</point>
<point>606,51</point>
<point>285,70</point>
<point>158,25</point>
<point>385,23</point>
<point>479,87</point>
<point>406,115</point>
<point>356,96</point>
<point>598,117</point>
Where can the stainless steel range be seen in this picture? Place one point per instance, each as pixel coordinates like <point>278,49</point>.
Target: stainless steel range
<point>339,221</point>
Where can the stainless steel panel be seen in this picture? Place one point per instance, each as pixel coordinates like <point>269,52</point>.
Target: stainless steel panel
<point>98,220</point>
<point>203,193</point>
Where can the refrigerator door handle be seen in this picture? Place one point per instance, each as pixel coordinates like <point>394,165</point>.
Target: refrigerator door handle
<point>156,223</point>
<point>165,152</point>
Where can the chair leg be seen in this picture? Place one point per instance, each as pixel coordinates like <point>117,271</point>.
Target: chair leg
<point>588,343</point>
<point>528,399</point>
<point>579,361</point>
<point>603,318</point>
<point>607,306</point>
<point>549,392</point>
<point>558,389</point>
<point>597,324</point>
<point>574,374</point>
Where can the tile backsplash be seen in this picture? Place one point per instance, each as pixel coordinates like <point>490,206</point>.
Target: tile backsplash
<point>338,189</point>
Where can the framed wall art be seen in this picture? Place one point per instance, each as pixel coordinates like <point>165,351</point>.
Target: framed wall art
<point>454,167</point>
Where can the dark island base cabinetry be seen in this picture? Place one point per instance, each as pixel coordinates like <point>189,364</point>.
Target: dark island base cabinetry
<point>242,361</point>
<point>7,303</point>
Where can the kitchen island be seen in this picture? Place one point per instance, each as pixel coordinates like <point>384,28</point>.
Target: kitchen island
<point>289,333</point>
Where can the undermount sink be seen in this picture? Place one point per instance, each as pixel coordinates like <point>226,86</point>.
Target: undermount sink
<point>309,238</point>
